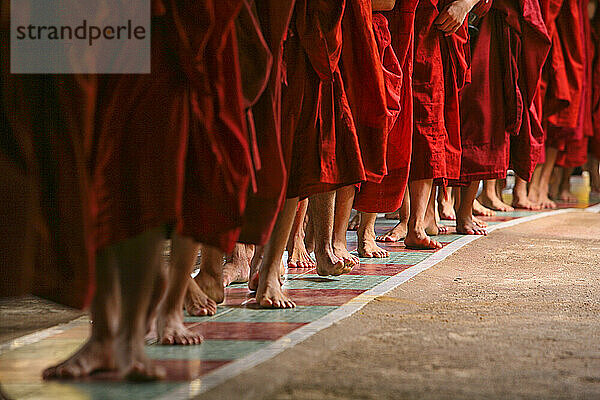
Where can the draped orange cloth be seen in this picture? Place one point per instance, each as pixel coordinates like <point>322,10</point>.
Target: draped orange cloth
<point>319,135</point>
<point>265,116</point>
<point>386,195</point>
<point>363,75</point>
<point>565,87</point>
<point>574,148</point>
<point>595,102</point>
<point>498,115</point>
<point>441,69</point>
<point>172,147</point>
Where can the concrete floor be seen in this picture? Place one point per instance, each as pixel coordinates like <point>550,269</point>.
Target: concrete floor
<point>515,315</point>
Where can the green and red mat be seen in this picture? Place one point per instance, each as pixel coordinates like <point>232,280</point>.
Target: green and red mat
<point>240,335</point>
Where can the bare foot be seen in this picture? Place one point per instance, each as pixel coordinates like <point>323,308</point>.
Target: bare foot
<point>446,210</point>
<point>160,288</point>
<point>354,222</point>
<point>270,295</point>
<point>418,240</point>
<point>524,203</point>
<point>368,248</point>
<point>254,268</point>
<point>480,210</point>
<point>567,196</point>
<point>435,229</point>
<point>341,251</point>
<point>211,285</point>
<point>492,202</point>
<point>395,234</point>
<point>132,362</point>
<point>299,257</point>
<point>237,266</point>
<point>329,264</point>
<point>468,226</point>
<point>94,356</point>
<point>545,202</point>
<point>478,222</point>
<point>170,329</point>
<point>197,303</point>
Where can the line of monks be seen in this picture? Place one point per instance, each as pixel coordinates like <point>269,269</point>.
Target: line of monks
<point>261,126</point>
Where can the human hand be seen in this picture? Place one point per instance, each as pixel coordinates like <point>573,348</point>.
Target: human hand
<point>453,16</point>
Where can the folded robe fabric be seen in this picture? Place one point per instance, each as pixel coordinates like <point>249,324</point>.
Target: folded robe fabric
<point>498,115</point>
<point>386,195</point>
<point>364,83</point>
<point>565,74</point>
<point>441,69</point>
<point>265,121</point>
<point>595,102</point>
<point>574,148</point>
<point>319,135</point>
<point>171,147</point>
<point>43,122</point>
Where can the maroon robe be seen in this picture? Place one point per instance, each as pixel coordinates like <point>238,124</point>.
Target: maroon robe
<point>440,72</point>
<point>575,148</point>
<point>386,196</point>
<point>565,76</point>
<point>595,102</point>
<point>265,121</point>
<point>44,119</point>
<point>498,115</point>
<point>318,131</point>
<point>363,76</point>
<point>171,147</point>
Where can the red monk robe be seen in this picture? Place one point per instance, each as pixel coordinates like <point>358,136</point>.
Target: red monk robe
<point>440,72</point>
<point>43,120</point>
<point>265,118</point>
<point>565,75</point>
<point>363,76</point>
<point>575,149</point>
<point>318,131</point>
<point>498,115</point>
<point>171,146</point>
<point>595,103</point>
<point>386,196</point>
<point>43,184</point>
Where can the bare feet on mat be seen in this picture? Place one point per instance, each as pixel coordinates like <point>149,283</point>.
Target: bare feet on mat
<point>237,266</point>
<point>395,234</point>
<point>298,256</point>
<point>418,240</point>
<point>132,362</point>
<point>330,264</point>
<point>492,202</point>
<point>479,209</point>
<point>171,330</point>
<point>367,247</point>
<point>197,303</point>
<point>478,222</point>
<point>467,226</point>
<point>95,356</point>
<point>269,293</point>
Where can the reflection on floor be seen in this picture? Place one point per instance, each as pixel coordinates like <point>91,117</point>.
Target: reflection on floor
<point>238,329</point>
